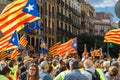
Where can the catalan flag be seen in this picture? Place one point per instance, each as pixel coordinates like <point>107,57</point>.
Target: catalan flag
<point>96,52</point>
<point>53,49</point>
<point>4,54</point>
<point>85,53</point>
<point>69,46</point>
<point>23,41</point>
<point>15,39</point>
<point>13,18</point>
<point>112,36</point>
<point>15,53</point>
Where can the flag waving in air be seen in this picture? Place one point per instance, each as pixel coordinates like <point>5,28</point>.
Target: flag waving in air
<point>69,46</point>
<point>13,18</point>
<point>23,41</point>
<point>112,36</point>
<point>85,53</point>
<point>53,49</point>
<point>15,39</point>
<point>32,8</point>
<point>32,26</point>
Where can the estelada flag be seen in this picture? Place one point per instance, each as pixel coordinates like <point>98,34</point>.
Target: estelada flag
<point>13,17</point>
<point>69,46</point>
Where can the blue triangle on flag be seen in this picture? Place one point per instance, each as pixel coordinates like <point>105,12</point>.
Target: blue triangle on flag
<point>74,45</point>
<point>31,8</point>
<point>15,39</point>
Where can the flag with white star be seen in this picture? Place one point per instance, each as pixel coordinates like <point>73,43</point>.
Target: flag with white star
<point>74,45</point>
<point>31,8</point>
<point>15,39</point>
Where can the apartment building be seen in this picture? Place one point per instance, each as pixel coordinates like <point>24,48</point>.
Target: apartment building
<point>87,18</point>
<point>103,22</point>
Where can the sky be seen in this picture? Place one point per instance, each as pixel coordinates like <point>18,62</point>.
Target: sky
<point>104,6</point>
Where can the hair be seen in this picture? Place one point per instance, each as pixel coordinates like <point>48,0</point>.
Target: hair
<point>67,64</point>
<point>19,59</point>
<point>5,70</point>
<point>88,63</point>
<point>113,71</point>
<point>37,71</point>
<point>40,60</point>
<point>22,69</point>
<point>44,65</point>
<point>74,64</point>
<point>11,63</point>
<point>50,69</point>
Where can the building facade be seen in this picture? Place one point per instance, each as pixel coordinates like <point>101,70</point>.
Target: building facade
<point>68,19</point>
<point>103,22</point>
<point>87,18</point>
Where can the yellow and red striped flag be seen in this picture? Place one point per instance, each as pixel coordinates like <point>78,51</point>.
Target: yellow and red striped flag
<point>13,18</point>
<point>4,54</point>
<point>69,46</point>
<point>96,52</point>
<point>112,36</point>
<point>14,54</point>
<point>23,41</point>
<point>85,53</point>
<point>53,49</point>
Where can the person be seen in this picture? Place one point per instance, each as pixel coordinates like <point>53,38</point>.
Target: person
<point>4,73</point>
<point>62,74</point>
<point>117,64</point>
<point>90,70</point>
<point>112,73</point>
<point>75,73</point>
<point>44,75</point>
<point>31,74</point>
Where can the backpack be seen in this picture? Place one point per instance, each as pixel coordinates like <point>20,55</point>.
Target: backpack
<point>95,75</point>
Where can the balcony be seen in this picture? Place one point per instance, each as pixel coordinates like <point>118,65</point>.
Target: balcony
<point>70,8</point>
<point>66,6</point>
<point>62,3</point>
<point>58,2</point>
<point>66,19</point>
<point>59,15</point>
<point>75,12</point>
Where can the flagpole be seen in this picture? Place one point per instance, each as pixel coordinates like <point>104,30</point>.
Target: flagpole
<point>94,50</point>
<point>108,50</point>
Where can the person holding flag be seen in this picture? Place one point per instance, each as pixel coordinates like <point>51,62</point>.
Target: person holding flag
<point>43,51</point>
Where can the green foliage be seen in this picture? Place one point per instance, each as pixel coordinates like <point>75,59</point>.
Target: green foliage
<point>96,42</point>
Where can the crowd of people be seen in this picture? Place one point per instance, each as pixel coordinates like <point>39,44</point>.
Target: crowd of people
<point>71,67</point>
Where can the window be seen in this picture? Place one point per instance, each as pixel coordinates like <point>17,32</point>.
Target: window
<point>53,12</point>
<point>66,27</point>
<point>53,28</point>
<point>61,25</point>
<point>49,42</point>
<point>57,23</point>
<point>49,27</point>
<point>41,12</point>
<point>49,10</point>
<point>46,8</point>
<point>45,25</point>
<point>32,41</point>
